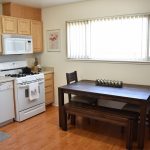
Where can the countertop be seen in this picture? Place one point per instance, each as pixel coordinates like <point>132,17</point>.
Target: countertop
<point>44,70</point>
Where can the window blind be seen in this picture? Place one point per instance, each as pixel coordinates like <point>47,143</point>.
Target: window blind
<point>115,38</point>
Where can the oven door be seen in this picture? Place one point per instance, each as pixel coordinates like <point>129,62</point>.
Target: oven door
<point>23,96</point>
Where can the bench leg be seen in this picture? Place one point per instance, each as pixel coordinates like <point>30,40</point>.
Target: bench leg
<point>135,129</point>
<point>148,117</point>
<point>129,138</point>
<point>73,119</point>
<point>122,130</point>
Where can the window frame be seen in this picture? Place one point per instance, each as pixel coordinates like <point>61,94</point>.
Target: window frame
<point>146,61</point>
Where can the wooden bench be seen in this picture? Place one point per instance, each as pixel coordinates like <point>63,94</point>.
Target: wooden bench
<point>122,118</point>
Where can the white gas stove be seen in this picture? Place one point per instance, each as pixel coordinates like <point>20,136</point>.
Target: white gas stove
<point>29,89</point>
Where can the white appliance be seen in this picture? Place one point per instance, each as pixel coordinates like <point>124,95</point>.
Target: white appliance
<point>6,103</point>
<point>16,44</point>
<point>25,107</point>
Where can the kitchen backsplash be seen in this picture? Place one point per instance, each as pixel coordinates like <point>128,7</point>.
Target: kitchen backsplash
<point>30,58</point>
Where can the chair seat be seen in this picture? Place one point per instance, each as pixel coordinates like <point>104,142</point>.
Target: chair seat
<point>84,99</point>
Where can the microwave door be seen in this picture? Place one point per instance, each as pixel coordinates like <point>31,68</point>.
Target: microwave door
<point>8,46</point>
<point>16,44</point>
<point>19,46</point>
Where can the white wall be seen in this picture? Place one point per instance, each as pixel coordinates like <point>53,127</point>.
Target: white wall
<point>55,17</point>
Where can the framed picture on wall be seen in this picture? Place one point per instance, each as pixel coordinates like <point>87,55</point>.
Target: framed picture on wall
<point>53,40</point>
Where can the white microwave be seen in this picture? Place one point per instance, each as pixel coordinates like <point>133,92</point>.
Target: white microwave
<point>16,44</point>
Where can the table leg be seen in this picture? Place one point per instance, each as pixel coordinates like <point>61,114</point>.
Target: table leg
<point>61,104</point>
<point>141,133</point>
<point>64,119</point>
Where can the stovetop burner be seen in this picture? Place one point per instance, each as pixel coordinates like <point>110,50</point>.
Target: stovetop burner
<point>15,75</point>
<point>19,75</point>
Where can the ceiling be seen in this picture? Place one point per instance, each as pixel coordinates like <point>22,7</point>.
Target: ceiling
<point>42,3</point>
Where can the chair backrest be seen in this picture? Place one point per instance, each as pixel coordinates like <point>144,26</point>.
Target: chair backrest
<point>71,78</point>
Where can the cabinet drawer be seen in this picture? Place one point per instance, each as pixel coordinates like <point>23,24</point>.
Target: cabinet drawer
<point>49,76</point>
<point>48,83</point>
<point>49,89</point>
<point>49,96</point>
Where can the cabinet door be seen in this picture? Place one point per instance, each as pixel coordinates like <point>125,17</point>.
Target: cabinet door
<point>37,36</point>
<point>0,44</point>
<point>6,102</point>
<point>49,88</point>
<point>0,25</point>
<point>0,35</point>
<point>24,26</point>
<point>9,24</point>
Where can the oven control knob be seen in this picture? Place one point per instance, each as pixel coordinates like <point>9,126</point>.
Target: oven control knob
<point>24,83</point>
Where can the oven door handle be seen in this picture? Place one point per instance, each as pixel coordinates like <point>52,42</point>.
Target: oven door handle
<point>27,85</point>
<point>23,86</point>
<point>40,82</point>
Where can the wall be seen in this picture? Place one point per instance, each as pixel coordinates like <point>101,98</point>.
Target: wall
<point>55,17</point>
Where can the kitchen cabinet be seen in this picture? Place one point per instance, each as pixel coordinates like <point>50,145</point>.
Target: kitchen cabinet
<point>16,25</point>
<point>12,25</point>
<point>0,36</point>
<point>9,25</point>
<point>1,45</point>
<point>49,87</point>
<point>7,113</point>
<point>37,36</point>
<point>21,11</point>
<point>0,25</point>
<point>24,26</point>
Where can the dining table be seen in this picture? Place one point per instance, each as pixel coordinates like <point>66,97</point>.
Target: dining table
<point>128,93</point>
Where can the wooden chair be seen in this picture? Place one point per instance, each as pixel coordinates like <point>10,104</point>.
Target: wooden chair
<point>72,78</point>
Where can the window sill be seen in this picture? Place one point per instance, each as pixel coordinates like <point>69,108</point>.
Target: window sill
<point>110,61</point>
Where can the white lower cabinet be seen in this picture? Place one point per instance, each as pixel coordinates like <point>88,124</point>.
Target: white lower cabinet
<point>6,102</point>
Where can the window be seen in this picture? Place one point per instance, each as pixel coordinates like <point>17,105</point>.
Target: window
<point>122,38</point>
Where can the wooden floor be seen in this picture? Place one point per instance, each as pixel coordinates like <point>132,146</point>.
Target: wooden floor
<point>43,133</point>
